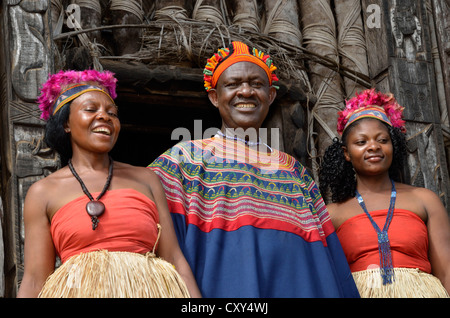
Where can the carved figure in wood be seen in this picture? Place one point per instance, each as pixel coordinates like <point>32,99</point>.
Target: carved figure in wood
<point>406,26</point>
<point>29,61</point>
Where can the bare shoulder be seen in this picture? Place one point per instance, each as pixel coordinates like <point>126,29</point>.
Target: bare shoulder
<point>41,195</point>
<point>430,200</point>
<point>43,187</point>
<point>340,207</point>
<point>38,189</point>
<point>139,178</point>
<point>423,194</point>
<point>136,172</point>
<point>413,190</point>
<point>339,212</point>
<point>423,201</point>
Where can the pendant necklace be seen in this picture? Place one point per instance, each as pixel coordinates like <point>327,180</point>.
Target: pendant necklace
<point>94,208</point>
<point>384,247</point>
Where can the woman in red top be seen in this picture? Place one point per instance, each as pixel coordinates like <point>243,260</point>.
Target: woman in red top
<point>396,237</point>
<point>104,219</point>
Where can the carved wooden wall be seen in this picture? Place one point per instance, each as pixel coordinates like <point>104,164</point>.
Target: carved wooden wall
<point>401,61</point>
<point>25,159</point>
<point>398,46</point>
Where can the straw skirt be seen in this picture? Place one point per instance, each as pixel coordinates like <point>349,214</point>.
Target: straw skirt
<point>409,283</point>
<point>114,274</point>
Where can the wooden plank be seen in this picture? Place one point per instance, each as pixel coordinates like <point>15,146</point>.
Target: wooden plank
<point>376,36</point>
<point>2,254</point>
<point>136,72</point>
<point>351,42</point>
<point>441,10</point>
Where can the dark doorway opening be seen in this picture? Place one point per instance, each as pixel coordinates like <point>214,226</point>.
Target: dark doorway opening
<point>152,116</point>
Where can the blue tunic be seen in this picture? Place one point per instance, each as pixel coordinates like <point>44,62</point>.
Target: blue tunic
<point>251,224</point>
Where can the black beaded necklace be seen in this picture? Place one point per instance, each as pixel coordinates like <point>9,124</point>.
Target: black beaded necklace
<point>94,208</point>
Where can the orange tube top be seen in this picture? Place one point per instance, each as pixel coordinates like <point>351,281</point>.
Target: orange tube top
<point>407,233</point>
<point>128,225</point>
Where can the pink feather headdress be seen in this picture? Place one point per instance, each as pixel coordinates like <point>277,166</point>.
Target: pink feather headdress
<point>370,98</point>
<point>57,82</point>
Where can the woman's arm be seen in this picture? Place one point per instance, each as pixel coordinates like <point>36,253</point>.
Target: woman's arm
<point>168,247</point>
<point>439,236</point>
<point>39,250</point>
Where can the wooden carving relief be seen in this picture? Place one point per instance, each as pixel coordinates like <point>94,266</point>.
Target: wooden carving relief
<point>29,60</point>
<point>407,30</point>
<point>2,253</point>
<point>415,90</point>
<point>413,82</point>
<point>441,11</point>
<point>29,63</point>
<point>426,170</point>
<point>33,160</point>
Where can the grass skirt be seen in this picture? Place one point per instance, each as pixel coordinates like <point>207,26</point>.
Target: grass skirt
<point>409,283</point>
<point>114,274</point>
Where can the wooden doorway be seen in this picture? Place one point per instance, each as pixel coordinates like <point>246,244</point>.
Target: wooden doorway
<point>150,116</point>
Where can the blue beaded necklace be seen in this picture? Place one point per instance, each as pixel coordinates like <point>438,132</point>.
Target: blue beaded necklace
<point>384,247</point>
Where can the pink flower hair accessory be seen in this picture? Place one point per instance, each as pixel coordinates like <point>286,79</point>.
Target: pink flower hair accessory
<point>56,83</point>
<point>371,100</point>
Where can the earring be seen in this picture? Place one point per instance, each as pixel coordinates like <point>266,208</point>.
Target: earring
<point>67,130</point>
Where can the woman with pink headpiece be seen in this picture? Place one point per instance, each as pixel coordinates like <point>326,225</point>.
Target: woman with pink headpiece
<point>104,219</point>
<point>396,237</point>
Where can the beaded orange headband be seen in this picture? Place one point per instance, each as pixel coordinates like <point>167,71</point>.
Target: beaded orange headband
<point>236,52</point>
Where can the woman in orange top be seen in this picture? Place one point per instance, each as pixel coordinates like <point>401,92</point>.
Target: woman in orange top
<point>104,219</point>
<point>396,237</point>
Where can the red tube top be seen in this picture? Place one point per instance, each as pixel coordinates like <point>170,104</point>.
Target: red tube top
<point>128,224</point>
<point>407,233</point>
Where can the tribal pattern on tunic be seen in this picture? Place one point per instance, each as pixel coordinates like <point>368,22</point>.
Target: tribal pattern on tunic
<point>222,184</point>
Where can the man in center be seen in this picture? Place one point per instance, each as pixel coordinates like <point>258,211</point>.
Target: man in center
<point>250,220</point>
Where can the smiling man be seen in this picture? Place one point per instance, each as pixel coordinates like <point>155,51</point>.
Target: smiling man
<point>249,219</point>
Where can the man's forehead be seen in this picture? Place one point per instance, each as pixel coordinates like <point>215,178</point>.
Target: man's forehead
<point>244,70</point>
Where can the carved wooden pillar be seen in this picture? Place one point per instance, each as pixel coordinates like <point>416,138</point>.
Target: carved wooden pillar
<point>3,174</point>
<point>26,63</point>
<point>2,253</point>
<point>213,11</point>
<point>441,23</point>
<point>90,16</point>
<point>320,37</point>
<point>351,42</point>
<point>171,9</point>
<point>246,14</point>
<point>127,40</point>
<point>400,62</point>
<point>282,22</point>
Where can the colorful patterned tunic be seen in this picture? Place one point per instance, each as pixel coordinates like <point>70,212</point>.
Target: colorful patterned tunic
<point>251,224</point>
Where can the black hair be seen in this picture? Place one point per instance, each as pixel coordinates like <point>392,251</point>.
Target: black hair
<point>337,175</point>
<point>55,135</point>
